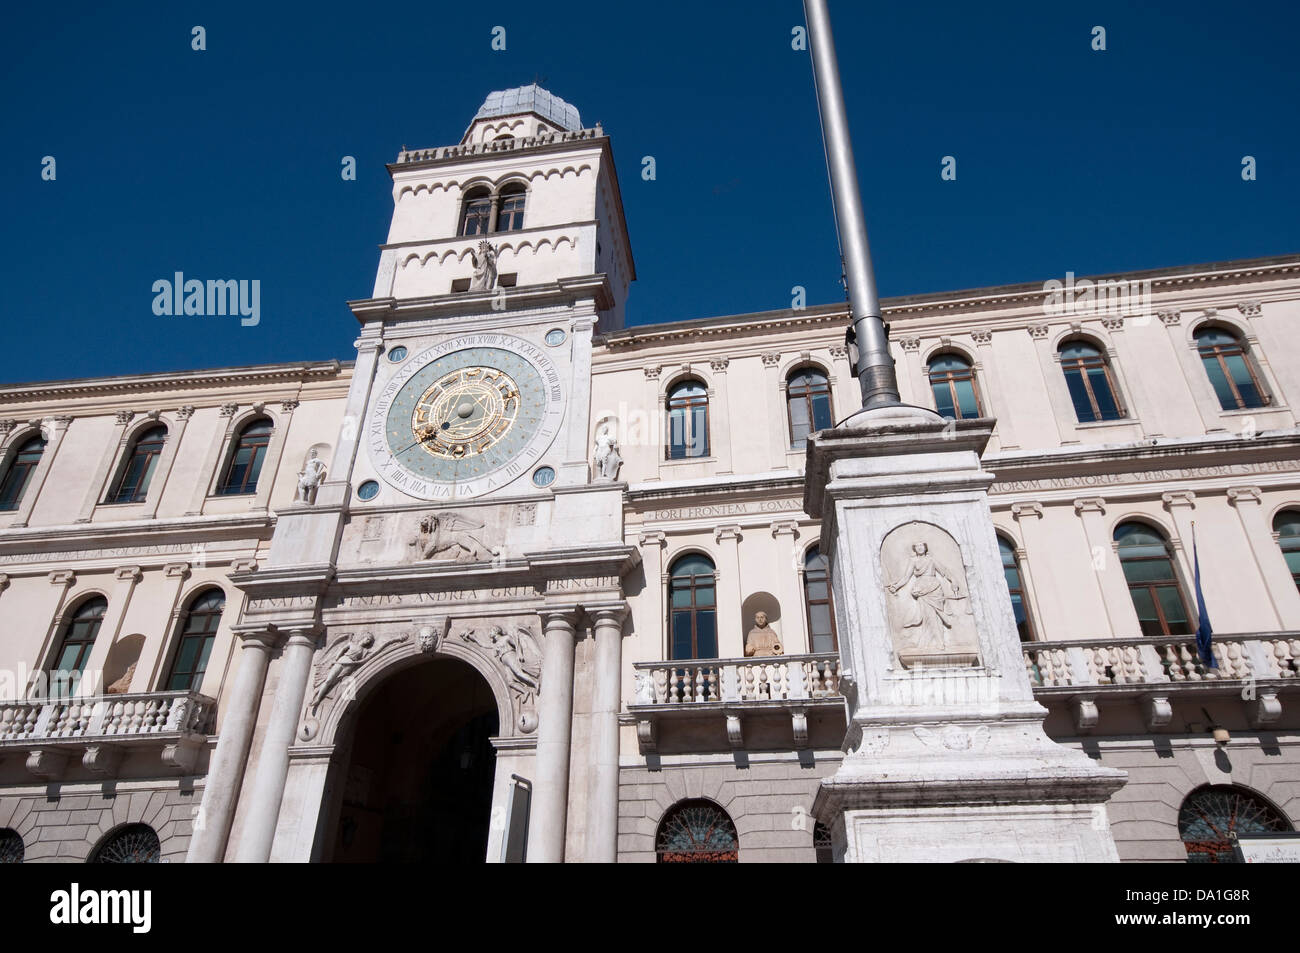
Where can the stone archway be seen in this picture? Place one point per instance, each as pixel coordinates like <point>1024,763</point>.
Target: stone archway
<point>416,781</point>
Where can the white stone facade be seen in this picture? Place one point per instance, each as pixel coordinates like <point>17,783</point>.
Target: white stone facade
<point>541,614</point>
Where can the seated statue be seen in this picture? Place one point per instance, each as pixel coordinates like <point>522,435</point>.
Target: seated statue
<point>762,640</point>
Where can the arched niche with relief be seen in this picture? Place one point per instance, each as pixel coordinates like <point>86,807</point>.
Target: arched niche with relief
<point>927,598</point>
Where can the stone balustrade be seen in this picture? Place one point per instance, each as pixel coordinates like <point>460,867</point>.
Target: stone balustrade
<point>1167,660</point>
<point>779,678</point>
<point>103,728</point>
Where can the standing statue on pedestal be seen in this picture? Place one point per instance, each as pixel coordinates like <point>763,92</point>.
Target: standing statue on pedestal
<point>310,478</point>
<point>485,268</point>
<point>762,640</point>
<point>608,459</point>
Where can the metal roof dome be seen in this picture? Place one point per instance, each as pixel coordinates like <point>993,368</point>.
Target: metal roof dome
<point>531,98</point>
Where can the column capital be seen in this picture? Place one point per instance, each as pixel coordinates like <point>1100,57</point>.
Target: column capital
<point>729,532</point>
<point>185,412</point>
<point>559,615</point>
<point>910,344</point>
<point>1178,498</point>
<point>176,570</point>
<point>4,581</point>
<point>1171,318</point>
<point>1020,511</point>
<point>652,372</point>
<point>653,537</point>
<point>1251,309</point>
<point>1244,494</point>
<point>607,613</point>
<point>770,359</point>
<point>128,573</point>
<point>719,364</point>
<point>1089,504</point>
<point>785,528</point>
<point>1037,330</point>
<point>256,635</point>
<point>62,577</point>
<point>982,337</point>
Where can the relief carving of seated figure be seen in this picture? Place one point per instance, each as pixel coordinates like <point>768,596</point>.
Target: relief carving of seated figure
<point>762,640</point>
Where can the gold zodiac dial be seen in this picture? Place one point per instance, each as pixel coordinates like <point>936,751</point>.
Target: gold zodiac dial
<point>465,412</point>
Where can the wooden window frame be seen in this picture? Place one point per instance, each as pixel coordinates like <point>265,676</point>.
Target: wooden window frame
<point>1220,352</point>
<point>1081,366</point>
<point>806,393</point>
<point>687,405</point>
<point>950,378</point>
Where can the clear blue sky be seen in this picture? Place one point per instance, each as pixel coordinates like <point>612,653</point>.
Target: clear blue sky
<point>225,163</point>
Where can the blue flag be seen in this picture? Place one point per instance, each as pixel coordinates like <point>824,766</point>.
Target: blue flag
<point>1204,634</point>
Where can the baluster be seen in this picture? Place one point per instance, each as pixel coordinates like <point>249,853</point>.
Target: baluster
<point>747,683</point>
<point>699,683</point>
<point>713,684</point>
<point>661,686</point>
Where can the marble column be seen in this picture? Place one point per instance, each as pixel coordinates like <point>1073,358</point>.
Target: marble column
<point>793,626</point>
<point>226,773</point>
<point>777,438</point>
<point>273,762</point>
<point>995,404</point>
<point>546,827</point>
<point>125,579</point>
<point>720,439</point>
<point>1111,585</point>
<point>602,823</point>
<point>731,628</point>
<point>652,441</point>
<point>1282,592</point>
<point>1058,394</point>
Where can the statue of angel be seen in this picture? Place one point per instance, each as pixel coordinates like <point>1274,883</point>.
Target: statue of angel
<point>347,659</point>
<point>518,653</point>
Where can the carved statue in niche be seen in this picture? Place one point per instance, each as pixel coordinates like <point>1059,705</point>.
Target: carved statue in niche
<point>123,684</point>
<point>930,618</point>
<point>521,656</point>
<point>450,536</point>
<point>608,459</point>
<point>485,268</point>
<point>762,640</point>
<point>310,478</point>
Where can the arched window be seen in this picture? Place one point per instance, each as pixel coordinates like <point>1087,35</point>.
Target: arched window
<point>477,216</point>
<point>246,461</point>
<point>1092,390</point>
<point>133,484</point>
<point>688,421</point>
<point>130,844</point>
<point>11,846</point>
<point>808,405</point>
<point>1287,527</point>
<point>1211,813</point>
<point>693,625</point>
<point>697,832</point>
<point>952,380</point>
<point>20,473</point>
<point>817,598</point>
<point>1229,368</point>
<point>822,843</point>
<point>1015,586</point>
<point>510,216</point>
<point>1152,583</point>
<point>79,634</point>
<point>197,633</point>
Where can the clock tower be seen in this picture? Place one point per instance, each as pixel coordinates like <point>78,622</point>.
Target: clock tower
<point>460,522</point>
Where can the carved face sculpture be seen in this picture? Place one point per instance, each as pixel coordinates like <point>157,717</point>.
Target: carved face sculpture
<point>760,620</point>
<point>920,549</point>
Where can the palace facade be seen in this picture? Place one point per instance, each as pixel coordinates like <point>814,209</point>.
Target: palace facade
<point>490,591</point>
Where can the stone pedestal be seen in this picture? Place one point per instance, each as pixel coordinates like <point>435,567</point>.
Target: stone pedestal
<point>946,758</point>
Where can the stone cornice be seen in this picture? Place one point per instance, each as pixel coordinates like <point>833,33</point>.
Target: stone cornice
<point>564,291</point>
<point>1024,294</point>
<point>257,375</point>
<point>170,537</point>
<point>545,144</point>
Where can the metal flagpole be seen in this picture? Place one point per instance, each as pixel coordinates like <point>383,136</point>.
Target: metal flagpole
<point>875,367</point>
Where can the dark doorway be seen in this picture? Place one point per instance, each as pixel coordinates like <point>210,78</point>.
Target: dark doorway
<point>417,787</point>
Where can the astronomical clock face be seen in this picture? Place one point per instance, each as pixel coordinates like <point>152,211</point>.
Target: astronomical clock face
<point>465,417</point>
